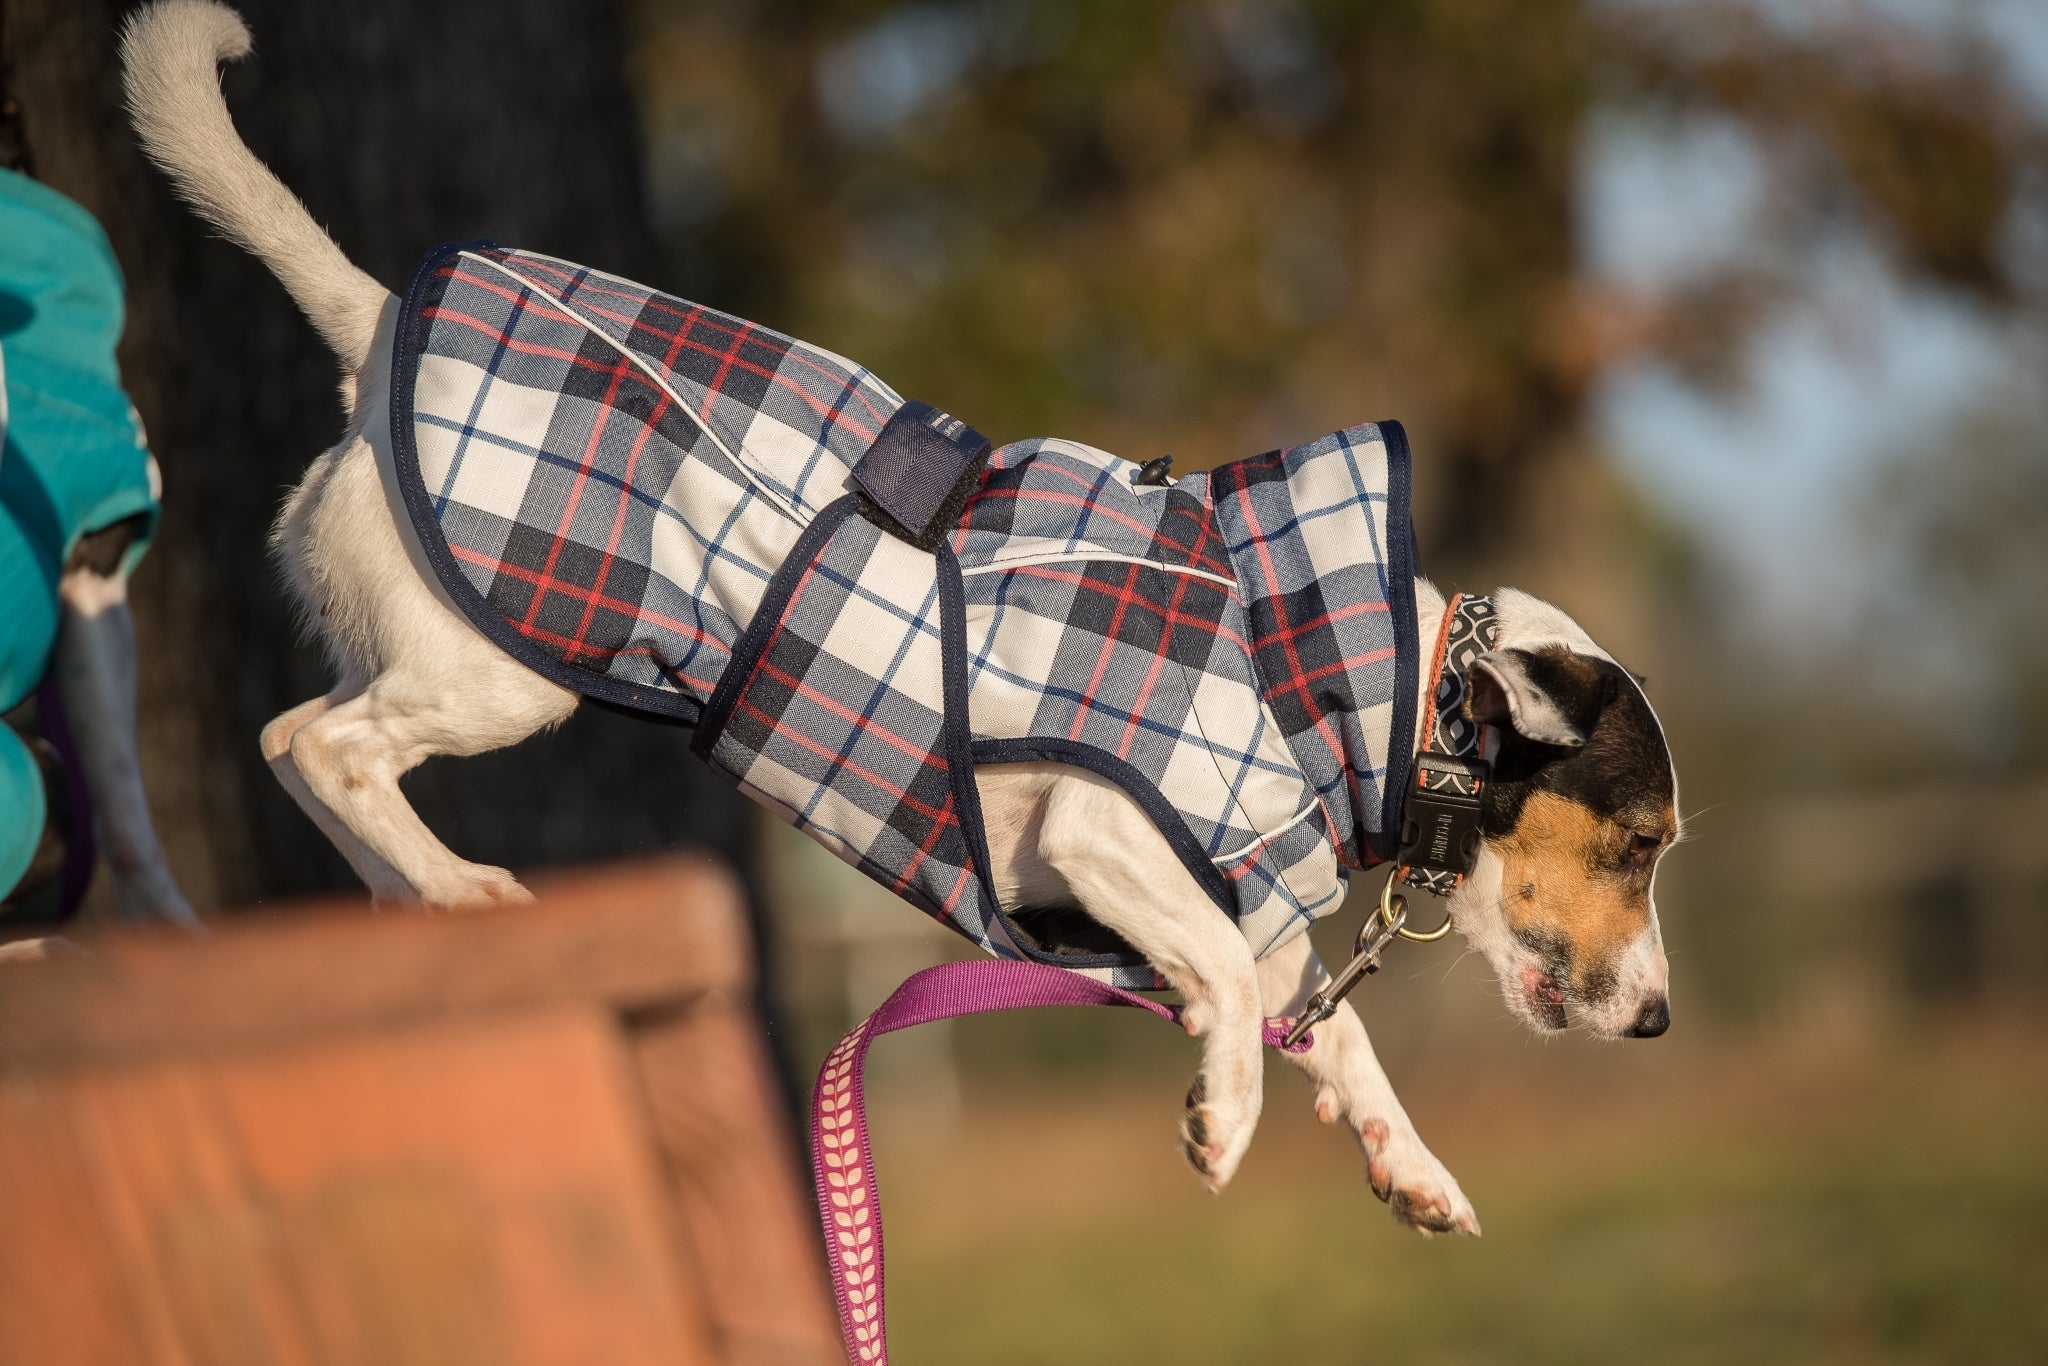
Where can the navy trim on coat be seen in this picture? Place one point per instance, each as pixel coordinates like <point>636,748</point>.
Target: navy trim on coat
<point>1403,564</point>
<point>747,651</point>
<point>1165,817</point>
<point>677,706</point>
<point>961,752</point>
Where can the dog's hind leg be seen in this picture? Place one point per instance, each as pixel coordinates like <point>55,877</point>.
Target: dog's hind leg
<point>1124,874</point>
<point>1351,1086</point>
<point>350,755</point>
<point>419,680</point>
<point>381,878</point>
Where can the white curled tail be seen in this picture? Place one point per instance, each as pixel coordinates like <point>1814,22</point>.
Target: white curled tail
<point>170,57</point>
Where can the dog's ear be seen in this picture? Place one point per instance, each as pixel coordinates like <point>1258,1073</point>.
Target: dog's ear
<point>1550,696</point>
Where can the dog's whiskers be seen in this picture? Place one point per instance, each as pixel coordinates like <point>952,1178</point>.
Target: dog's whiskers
<point>1452,966</point>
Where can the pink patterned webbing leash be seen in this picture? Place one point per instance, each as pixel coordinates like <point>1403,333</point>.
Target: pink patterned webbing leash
<point>849,1205</point>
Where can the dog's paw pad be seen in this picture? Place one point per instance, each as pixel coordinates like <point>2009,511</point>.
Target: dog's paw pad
<point>1431,1213</point>
<point>1194,1129</point>
<point>1210,1140</point>
<point>1415,1186</point>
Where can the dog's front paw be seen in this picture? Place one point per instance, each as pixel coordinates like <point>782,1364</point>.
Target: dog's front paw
<point>1214,1133</point>
<point>1417,1188</point>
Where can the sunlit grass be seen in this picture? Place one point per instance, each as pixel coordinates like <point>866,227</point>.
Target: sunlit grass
<point>1746,1203</point>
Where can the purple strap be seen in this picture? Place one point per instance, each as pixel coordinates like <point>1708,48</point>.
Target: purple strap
<point>80,856</point>
<point>849,1205</point>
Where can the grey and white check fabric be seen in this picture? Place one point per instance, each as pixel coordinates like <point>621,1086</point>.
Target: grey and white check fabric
<point>650,502</point>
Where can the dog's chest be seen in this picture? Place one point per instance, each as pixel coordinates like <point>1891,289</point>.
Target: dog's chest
<point>649,502</point>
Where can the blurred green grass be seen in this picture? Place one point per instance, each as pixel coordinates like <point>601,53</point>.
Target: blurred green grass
<point>1744,1199</point>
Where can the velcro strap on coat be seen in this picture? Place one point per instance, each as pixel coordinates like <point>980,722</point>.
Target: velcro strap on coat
<point>920,473</point>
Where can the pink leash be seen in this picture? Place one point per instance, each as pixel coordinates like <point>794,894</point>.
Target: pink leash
<point>849,1205</point>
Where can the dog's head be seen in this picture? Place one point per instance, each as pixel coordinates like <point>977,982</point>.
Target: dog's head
<point>1581,804</point>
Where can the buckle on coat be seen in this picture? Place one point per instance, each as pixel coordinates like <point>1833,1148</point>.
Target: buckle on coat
<point>916,479</point>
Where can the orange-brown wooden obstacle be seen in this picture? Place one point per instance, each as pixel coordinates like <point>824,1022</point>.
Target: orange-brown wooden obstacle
<point>527,1137</point>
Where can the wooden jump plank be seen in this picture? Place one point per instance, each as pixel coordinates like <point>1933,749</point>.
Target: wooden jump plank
<point>351,1201</point>
<point>651,935</point>
<point>712,1100</point>
<point>659,952</point>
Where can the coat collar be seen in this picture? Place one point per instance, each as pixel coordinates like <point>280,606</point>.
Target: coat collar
<point>1319,535</point>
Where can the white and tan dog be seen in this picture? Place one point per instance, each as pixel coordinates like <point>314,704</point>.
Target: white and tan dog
<point>1582,804</point>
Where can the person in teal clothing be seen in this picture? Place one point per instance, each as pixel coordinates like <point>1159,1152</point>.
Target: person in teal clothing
<point>78,504</point>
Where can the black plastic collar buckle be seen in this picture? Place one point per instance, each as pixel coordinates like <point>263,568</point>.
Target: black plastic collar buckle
<point>1440,827</point>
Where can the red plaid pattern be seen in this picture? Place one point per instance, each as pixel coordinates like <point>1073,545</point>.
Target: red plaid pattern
<point>1321,538</point>
<point>650,501</point>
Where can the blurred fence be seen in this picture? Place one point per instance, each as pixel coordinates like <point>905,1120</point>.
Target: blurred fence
<point>1927,896</point>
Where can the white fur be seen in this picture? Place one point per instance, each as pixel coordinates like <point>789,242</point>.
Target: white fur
<point>1350,1086</point>
<point>1058,833</point>
<point>1529,623</point>
<point>418,679</point>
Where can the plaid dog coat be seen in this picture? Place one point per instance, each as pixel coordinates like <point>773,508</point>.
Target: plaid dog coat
<point>674,510</point>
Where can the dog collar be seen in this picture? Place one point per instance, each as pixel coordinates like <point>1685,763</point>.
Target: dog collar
<point>1440,823</point>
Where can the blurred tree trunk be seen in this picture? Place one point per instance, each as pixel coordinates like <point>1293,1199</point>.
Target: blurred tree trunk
<point>401,126</point>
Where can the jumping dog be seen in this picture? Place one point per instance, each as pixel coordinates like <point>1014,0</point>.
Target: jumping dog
<point>1578,801</point>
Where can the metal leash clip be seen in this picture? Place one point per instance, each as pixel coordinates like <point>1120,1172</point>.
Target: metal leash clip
<point>1374,935</point>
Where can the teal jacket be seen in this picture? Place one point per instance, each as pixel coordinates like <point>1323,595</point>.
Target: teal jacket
<point>73,460</point>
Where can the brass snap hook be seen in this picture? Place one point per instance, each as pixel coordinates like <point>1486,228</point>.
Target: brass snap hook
<point>1393,914</point>
<point>1374,935</point>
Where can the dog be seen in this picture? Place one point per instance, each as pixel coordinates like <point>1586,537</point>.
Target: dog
<point>78,500</point>
<point>1578,803</point>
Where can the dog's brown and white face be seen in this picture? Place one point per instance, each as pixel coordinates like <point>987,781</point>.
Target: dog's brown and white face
<point>1581,804</point>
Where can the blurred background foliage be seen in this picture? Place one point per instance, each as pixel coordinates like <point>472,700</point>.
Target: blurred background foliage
<point>1213,229</point>
<point>1722,325</point>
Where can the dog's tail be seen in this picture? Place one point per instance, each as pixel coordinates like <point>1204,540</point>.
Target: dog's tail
<point>170,55</point>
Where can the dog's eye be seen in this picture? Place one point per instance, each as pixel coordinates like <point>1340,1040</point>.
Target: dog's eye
<point>1643,848</point>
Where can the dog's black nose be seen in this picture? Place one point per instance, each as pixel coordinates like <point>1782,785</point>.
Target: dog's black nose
<point>1655,1019</point>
